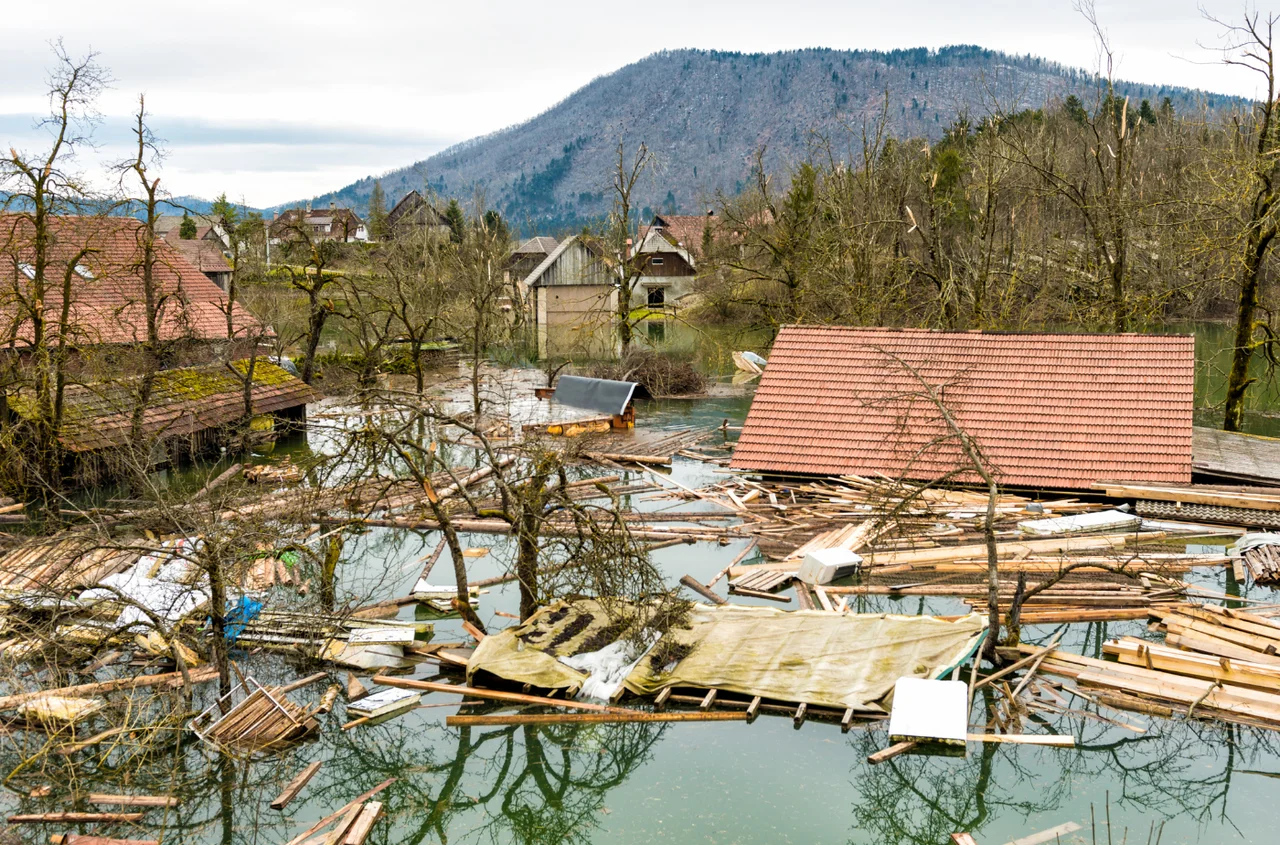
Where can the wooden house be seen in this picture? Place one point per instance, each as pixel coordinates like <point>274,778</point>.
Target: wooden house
<point>415,213</point>
<point>573,296</point>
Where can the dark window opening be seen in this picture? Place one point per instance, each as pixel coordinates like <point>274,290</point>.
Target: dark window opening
<point>657,297</point>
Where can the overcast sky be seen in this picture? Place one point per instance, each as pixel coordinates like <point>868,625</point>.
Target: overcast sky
<point>278,101</point>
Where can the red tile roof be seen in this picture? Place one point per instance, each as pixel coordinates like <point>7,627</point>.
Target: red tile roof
<point>1053,411</point>
<point>205,256</point>
<point>686,229</point>
<point>109,303</point>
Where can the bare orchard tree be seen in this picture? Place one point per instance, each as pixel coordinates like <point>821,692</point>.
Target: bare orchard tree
<point>621,237</point>
<point>36,188</point>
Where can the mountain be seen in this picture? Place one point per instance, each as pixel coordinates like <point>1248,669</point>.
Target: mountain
<point>705,114</point>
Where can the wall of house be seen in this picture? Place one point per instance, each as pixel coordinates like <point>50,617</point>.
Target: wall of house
<point>576,321</point>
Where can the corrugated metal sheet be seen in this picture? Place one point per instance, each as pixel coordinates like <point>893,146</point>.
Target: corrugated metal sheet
<point>594,394</point>
<point>1048,410</point>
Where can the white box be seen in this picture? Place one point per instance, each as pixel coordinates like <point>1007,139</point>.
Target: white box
<point>826,565</point>
<point>929,711</point>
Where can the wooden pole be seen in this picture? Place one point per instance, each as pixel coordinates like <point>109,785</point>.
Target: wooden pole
<point>698,587</point>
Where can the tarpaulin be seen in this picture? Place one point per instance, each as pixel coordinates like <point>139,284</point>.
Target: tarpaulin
<point>819,657</point>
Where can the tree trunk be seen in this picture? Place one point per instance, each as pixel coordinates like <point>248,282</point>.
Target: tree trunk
<point>328,572</point>
<point>1238,379</point>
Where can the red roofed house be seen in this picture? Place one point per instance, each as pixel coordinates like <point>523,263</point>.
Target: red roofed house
<point>109,304</point>
<point>193,398</point>
<point>1049,411</point>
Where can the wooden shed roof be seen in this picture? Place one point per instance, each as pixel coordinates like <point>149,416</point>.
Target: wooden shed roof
<point>1056,411</point>
<point>183,402</point>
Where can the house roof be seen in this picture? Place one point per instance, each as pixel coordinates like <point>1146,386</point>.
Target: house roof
<point>413,203</point>
<point>686,228</point>
<point>1055,411</point>
<point>590,244</point>
<point>658,240</point>
<point>540,245</point>
<point>109,301</point>
<point>205,256</point>
<point>184,401</point>
<point>166,223</point>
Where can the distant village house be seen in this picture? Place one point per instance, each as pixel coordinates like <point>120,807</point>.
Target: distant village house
<point>573,296</point>
<point>415,213</point>
<point>327,224</point>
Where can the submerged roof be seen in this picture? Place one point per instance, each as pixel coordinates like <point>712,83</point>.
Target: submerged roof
<point>595,394</point>
<point>183,402</point>
<point>1048,410</point>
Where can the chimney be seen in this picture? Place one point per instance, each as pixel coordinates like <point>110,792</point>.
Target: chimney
<point>711,212</point>
<point>629,253</point>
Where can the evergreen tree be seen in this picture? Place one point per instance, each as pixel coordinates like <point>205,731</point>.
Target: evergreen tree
<point>457,221</point>
<point>187,229</point>
<point>494,223</point>
<point>1074,109</point>
<point>377,218</point>
<point>225,212</point>
<point>1147,113</point>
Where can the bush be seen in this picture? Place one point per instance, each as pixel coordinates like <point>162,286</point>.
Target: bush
<point>661,375</point>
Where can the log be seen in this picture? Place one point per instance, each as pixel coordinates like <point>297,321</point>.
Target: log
<point>494,695</point>
<point>173,679</point>
<point>699,588</point>
<point>739,558</point>
<point>299,684</point>
<point>295,786</point>
<point>758,594</point>
<point>133,800</point>
<point>72,818</point>
<point>615,716</point>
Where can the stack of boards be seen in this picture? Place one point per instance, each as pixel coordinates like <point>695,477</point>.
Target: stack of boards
<point>383,702</point>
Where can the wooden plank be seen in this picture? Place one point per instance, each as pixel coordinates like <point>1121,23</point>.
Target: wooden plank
<point>1053,834</point>
<point>1189,495</point>
<point>494,695</point>
<point>173,679</point>
<point>295,786</point>
<point>890,752</point>
<point>1025,739</point>
<point>363,824</point>
<point>71,818</point>
<point>963,839</point>
<point>133,800</point>
<point>1152,656</point>
<point>81,839</point>
<point>753,708</point>
<point>613,716</point>
<point>332,817</point>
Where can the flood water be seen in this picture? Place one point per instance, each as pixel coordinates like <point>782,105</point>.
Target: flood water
<point>726,782</point>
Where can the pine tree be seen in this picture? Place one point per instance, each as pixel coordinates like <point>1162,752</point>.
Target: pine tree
<point>1147,113</point>
<point>457,221</point>
<point>187,229</point>
<point>377,212</point>
<point>1074,109</point>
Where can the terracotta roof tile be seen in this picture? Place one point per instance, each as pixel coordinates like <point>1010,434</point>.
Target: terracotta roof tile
<point>109,304</point>
<point>1048,410</point>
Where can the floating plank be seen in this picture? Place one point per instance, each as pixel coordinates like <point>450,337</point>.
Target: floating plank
<point>495,695</point>
<point>890,752</point>
<point>133,800</point>
<point>363,824</point>
<point>71,818</point>
<point>1053,834</point>
<point>81,839</point>
<point>1026,739</point>
<point>295,786</point>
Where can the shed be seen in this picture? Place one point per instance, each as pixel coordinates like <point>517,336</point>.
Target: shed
<point>1049,411</point>
<point>602,395</point>
<point>574,294</point>
<point>188,413</point>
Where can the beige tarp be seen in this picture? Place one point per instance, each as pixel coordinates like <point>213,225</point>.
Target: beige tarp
<point>822,658</point>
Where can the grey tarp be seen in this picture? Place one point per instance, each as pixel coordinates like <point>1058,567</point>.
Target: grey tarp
<point>822,658</point>
<point>605,396</point>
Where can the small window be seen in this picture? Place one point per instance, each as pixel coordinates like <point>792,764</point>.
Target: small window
<point>28,270</point>
<point>655,261</point>
<point>84,271</point>
<point>657,297</point>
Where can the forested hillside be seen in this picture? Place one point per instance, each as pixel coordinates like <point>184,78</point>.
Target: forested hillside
<point>705,115</point>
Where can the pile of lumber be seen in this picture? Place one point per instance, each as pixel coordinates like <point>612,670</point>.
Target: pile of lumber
<point>1220,632</point>
<point>1192,690</point>
<point>1082,601</point>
